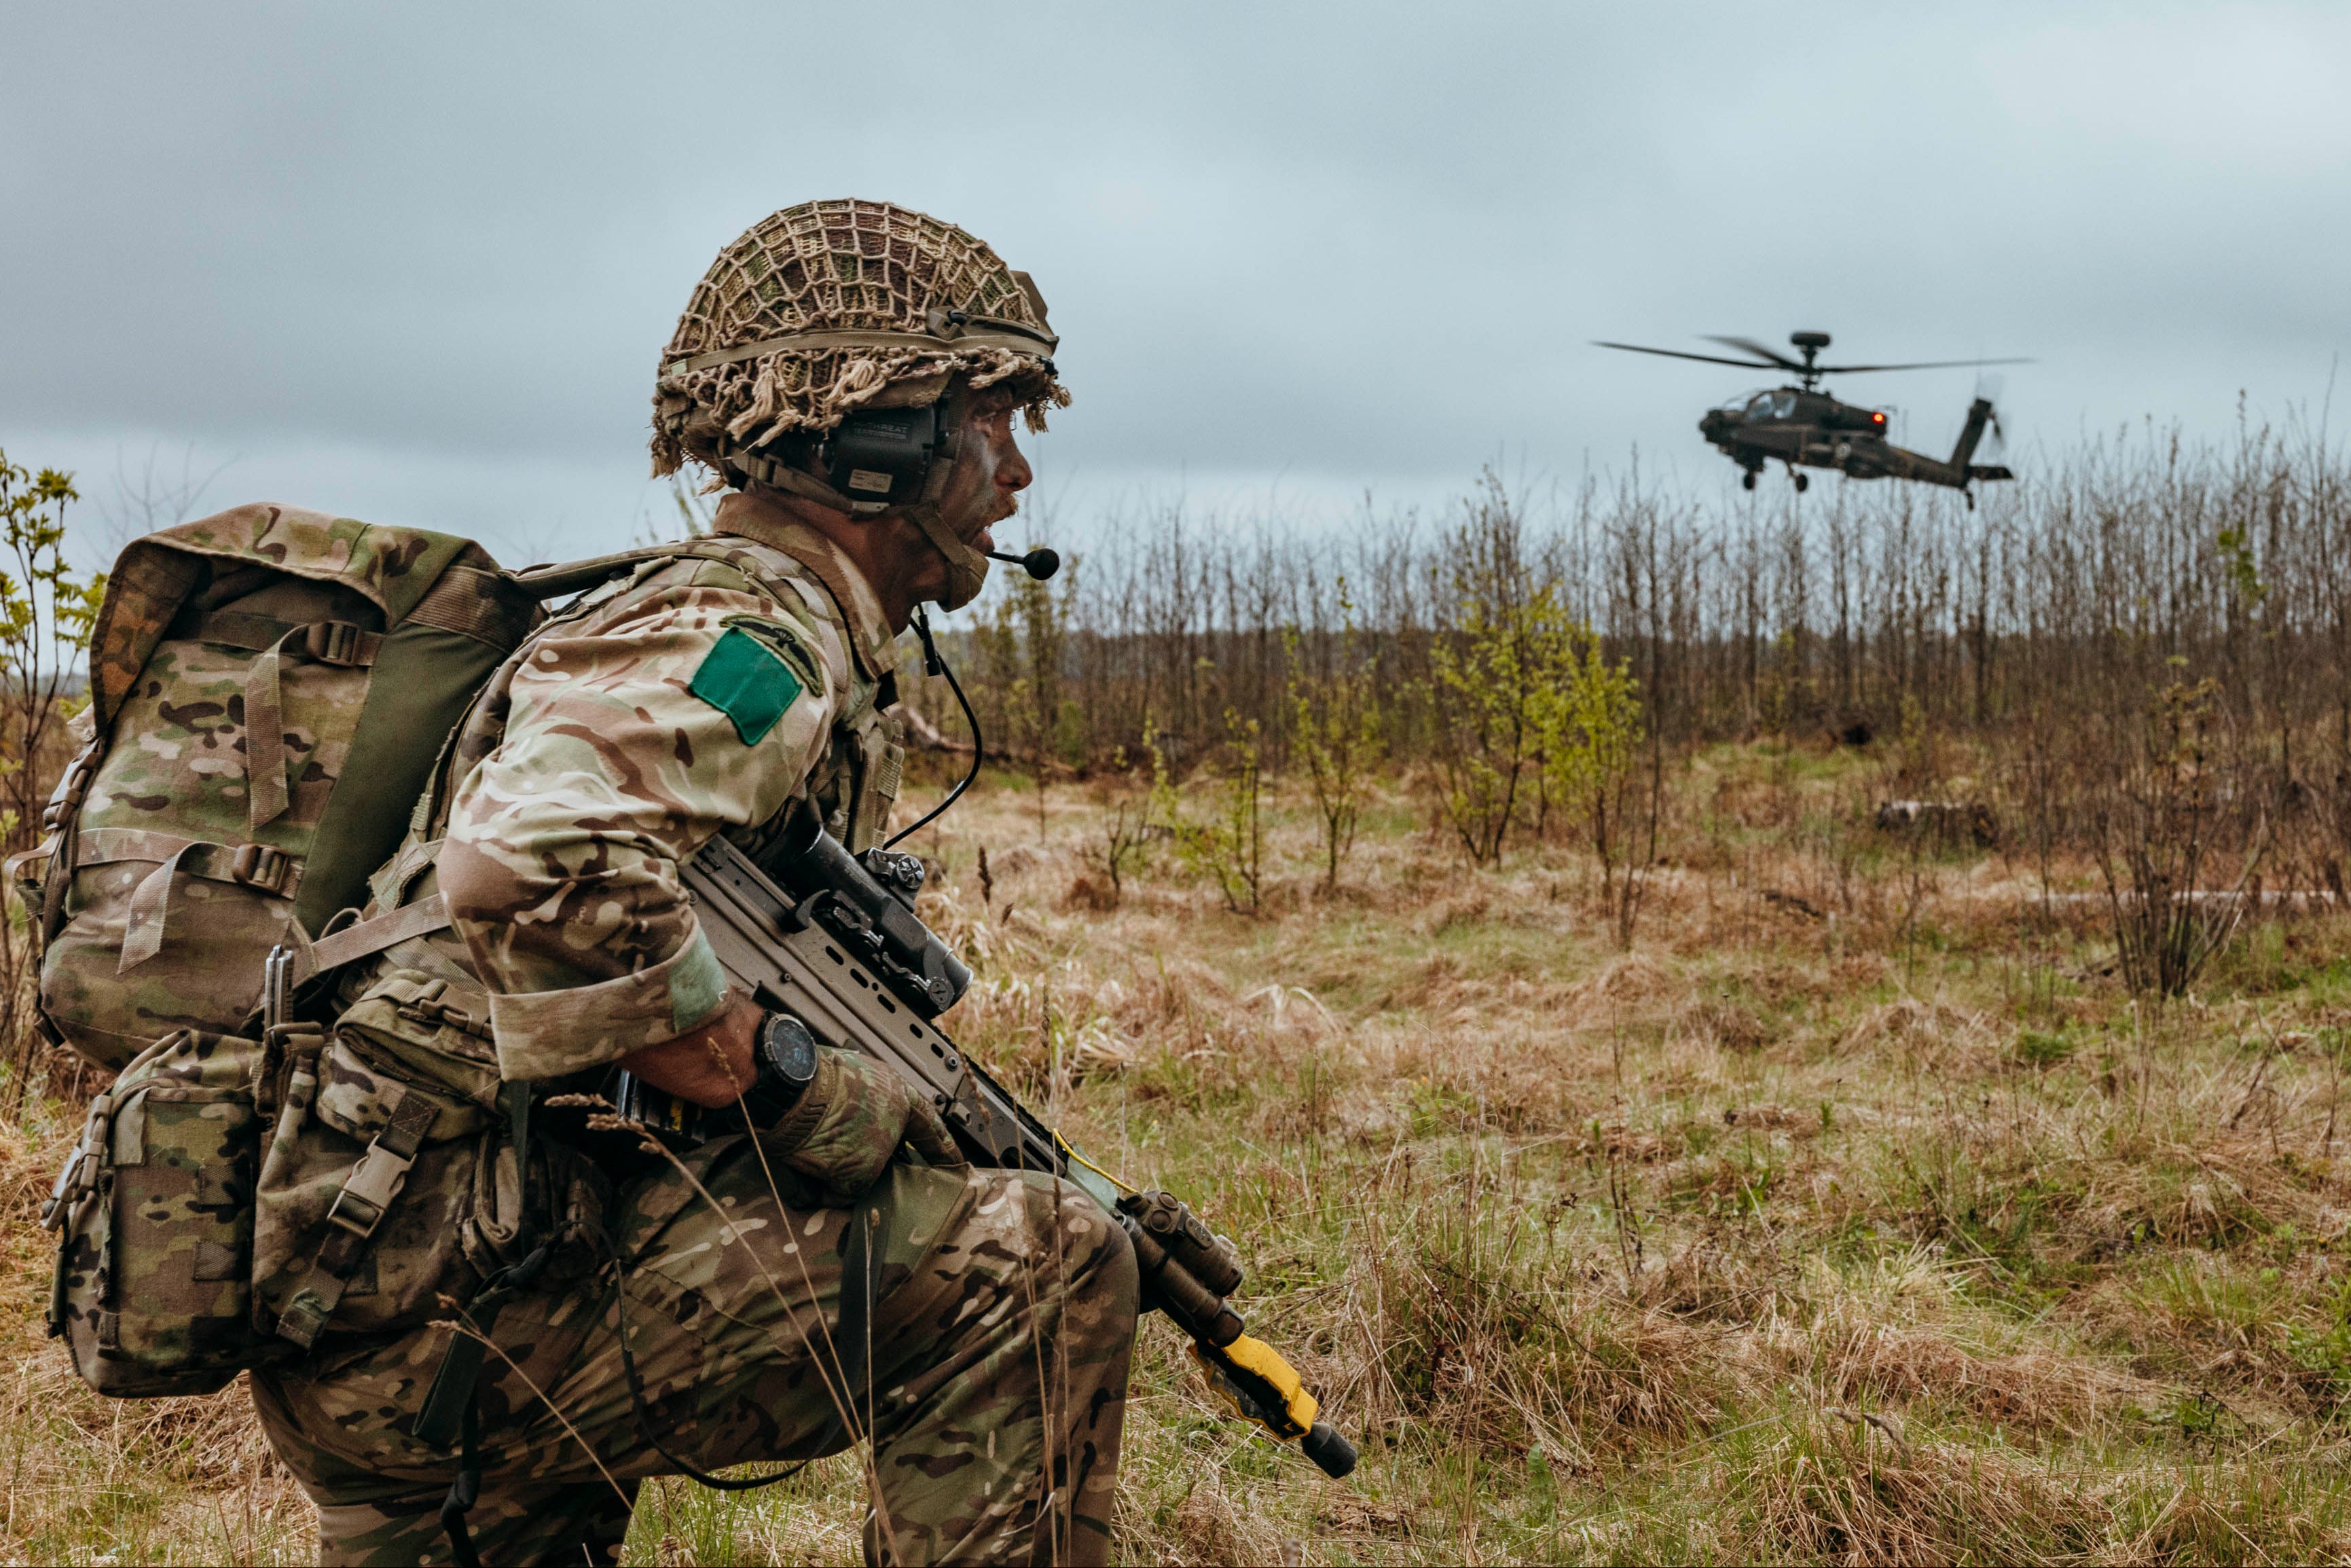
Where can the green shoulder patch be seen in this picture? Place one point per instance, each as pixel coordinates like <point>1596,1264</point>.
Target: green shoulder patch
<point>748,682</point>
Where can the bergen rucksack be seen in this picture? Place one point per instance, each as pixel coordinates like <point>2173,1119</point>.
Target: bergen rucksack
<point>241,1190</point>
<point>269,688</point>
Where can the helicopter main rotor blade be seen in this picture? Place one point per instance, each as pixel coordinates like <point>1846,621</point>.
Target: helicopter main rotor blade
<point>1921,365</point>
<point>1678,354</point>
<point>1752,347</point>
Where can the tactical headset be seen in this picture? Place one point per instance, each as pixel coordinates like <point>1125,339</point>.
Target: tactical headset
<point>883,458</point>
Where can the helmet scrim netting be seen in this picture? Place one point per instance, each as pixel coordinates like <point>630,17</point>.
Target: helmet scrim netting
<point>828,266</point>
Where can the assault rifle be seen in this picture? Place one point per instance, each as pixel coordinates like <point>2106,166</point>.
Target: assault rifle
<point>833,940</point>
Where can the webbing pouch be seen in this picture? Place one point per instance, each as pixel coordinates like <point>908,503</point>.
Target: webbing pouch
<point>394,1178</point>
<point>154,1214</point>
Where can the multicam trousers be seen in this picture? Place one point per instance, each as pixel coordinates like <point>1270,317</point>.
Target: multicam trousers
<point>995,1391</point>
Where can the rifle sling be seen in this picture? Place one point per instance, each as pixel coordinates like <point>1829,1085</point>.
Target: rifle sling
<point>369,937</point>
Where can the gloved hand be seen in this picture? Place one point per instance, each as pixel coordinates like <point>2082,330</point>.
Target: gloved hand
<point>852,1119</point>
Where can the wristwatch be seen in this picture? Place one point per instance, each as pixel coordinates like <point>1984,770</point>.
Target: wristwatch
<point>784,1059</point>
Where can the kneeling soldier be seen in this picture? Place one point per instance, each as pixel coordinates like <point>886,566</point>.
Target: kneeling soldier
<point>853,370</point>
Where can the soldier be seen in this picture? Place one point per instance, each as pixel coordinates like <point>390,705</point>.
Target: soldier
<point>723,692</point>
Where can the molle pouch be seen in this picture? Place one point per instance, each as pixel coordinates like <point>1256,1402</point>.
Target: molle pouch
<point>154,1211</point>
<point>392,1179</point>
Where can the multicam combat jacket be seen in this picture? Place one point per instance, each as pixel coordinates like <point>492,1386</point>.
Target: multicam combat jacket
<point>697,696</point>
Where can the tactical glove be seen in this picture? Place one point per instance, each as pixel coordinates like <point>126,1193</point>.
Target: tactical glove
<point>852,1119</point>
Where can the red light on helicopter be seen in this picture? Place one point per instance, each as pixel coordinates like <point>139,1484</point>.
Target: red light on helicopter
<point>1877,419</point>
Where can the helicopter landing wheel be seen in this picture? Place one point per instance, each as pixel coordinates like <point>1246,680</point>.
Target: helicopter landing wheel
<point>1747,480</point>
<point>1804,483</point>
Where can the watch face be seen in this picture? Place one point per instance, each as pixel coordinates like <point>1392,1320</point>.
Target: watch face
<point>788,1047</point>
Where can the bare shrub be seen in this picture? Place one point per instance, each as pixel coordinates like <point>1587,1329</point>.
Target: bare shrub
<point>47,613</point>
<point>2156,825</point>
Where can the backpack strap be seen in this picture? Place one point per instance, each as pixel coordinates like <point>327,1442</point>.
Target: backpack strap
<point>261,866</point>
<point>366,938</point>
<point>464,600</point>
<point>556,581</point>
<point>326,641</point>
<point>479,604</point>
<point>259,634</point>
<point>544,582</point>
<point>56,855</point>
<point>367,1197</point>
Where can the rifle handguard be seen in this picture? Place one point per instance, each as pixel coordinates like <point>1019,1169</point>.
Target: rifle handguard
<point>1209,1257</point>
<point>852,895</point>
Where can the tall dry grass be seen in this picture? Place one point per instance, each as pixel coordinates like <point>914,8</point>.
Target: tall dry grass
<point>1859,1213</point>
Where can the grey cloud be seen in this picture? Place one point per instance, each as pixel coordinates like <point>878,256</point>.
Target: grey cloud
<point>1364,241</point>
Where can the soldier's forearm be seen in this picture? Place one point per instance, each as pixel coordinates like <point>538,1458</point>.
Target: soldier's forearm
<point>710,1066</point>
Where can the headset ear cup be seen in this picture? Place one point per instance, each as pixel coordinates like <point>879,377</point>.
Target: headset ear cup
<point>884,457</point>
<point>901,459</point>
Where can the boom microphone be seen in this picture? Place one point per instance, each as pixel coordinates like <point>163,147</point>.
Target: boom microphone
<point>1039,564</point>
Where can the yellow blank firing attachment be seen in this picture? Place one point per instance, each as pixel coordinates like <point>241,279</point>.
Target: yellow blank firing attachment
<point>1250,1375</point>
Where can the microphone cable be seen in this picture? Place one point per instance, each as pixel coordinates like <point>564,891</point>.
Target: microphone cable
<point>932,665</point>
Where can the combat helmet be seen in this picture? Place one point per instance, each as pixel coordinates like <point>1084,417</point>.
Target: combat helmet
<point>829,308</point>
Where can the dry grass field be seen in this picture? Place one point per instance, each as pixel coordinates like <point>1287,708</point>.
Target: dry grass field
<point>1856,1213</point>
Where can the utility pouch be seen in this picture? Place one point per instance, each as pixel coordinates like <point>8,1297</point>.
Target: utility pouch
<point>154,1212</point>
<point>393,1176</point>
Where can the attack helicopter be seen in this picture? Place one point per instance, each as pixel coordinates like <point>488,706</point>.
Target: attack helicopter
<point>1803,425</point>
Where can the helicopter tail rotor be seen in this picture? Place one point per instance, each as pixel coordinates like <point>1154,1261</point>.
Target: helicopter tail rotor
<point>1988,391</point>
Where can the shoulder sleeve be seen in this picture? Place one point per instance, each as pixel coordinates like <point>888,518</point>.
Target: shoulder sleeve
<point>692,705</point>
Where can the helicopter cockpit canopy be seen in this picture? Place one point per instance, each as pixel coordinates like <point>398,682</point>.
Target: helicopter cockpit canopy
<point>1772,402</point>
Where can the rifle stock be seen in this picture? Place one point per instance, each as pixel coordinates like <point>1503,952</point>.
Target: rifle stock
<point>847,958</point>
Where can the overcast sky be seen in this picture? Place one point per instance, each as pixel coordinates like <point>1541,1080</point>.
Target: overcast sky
<point>415,263</point>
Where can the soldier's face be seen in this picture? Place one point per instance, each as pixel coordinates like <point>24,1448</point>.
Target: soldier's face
<point>982,488</point>
<point>989,473</point>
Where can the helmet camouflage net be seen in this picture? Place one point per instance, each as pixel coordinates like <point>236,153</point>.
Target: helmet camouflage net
<point>829,306</point>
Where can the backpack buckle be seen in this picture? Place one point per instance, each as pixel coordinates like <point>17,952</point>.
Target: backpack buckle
<point>369,1191</point>
<point>429,1005</point>
<point>67,1187</point>
<point>332,642</point>
<point>66,802</point>
<point>261,866</point>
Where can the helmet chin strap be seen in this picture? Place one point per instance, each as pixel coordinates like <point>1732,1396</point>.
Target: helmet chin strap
<point>967,567</point>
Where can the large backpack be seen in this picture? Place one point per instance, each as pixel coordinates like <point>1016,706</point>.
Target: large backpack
<point>269,690</point>
<point>239,1191</point>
